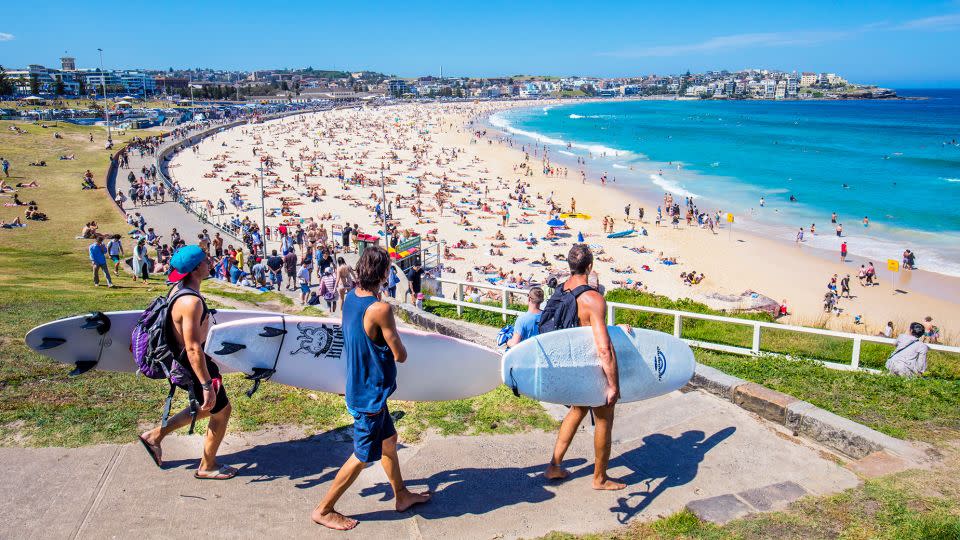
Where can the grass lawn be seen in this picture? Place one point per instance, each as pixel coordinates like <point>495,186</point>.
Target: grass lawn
<point>45,275</point>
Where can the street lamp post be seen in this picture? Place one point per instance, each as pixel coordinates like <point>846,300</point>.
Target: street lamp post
<point>383,210</point>
<point>106,106</point>
<point>263,211</point>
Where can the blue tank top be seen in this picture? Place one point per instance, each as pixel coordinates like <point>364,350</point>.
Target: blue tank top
<point>371,371</point>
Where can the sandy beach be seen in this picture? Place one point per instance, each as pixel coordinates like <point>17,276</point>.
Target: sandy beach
<point>450,177</point>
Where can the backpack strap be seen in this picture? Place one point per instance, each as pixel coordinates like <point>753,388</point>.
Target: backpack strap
<point>580,289</point>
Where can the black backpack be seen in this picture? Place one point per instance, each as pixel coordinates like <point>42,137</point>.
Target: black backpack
<point>561,310</point>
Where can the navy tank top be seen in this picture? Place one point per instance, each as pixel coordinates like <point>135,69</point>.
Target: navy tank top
<point>371,370</point>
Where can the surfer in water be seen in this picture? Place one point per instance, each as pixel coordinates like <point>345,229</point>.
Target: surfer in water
<point>372,347</point>
<point>591,310</point>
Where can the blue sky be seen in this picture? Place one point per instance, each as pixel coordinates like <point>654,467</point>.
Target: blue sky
<point>901,44</point>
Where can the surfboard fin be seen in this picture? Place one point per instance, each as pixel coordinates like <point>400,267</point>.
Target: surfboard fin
<point>83,366</point>
<point>269,331</point>
<point>50,343</point>
<point>97,321</point>
<point>259,374</point>
<point>229,348</point>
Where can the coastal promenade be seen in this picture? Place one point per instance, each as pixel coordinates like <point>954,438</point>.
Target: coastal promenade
<point>680,450</point>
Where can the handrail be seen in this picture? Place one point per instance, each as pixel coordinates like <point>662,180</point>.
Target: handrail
<point>678,317</point>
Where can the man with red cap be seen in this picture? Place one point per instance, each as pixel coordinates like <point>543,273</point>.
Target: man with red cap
<point>188,325</point>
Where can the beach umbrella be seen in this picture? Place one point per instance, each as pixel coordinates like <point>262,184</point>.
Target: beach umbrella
<point>580,237</point>
<point>556,222</point>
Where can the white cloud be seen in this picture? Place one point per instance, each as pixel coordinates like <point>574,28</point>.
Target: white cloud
<point>937,22</point>
<point>736,41</point>
<point>6,37</point>
<point>949,21</point>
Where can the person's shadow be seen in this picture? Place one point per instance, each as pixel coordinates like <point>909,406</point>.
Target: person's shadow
<point>311,460</point>
<point>675,461</point>
<point>470,490</point>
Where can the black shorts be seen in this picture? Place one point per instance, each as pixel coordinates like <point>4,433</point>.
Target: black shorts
<point>214,371</point>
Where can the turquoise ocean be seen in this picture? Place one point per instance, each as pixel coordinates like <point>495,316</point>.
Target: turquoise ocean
<point>896,162</point>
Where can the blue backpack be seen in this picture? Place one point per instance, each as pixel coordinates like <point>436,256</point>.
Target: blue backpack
<point>504,335</point>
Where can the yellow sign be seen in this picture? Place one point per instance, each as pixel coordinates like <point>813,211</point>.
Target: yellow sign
<point>893,265</point>
<point>729,218</point>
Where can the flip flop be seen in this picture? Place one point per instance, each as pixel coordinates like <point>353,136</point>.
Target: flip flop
<point>224,473</point>
<point>151,451</point>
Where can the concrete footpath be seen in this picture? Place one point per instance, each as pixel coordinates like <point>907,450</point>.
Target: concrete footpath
<point>681,450</point>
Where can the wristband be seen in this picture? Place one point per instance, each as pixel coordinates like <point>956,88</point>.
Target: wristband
<point>207,386</point>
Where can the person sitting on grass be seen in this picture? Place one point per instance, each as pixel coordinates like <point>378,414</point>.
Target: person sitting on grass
<point>34,214</point>
<point>909,358</point>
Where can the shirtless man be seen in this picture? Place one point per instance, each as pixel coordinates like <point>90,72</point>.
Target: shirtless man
<point>591,311</point>
<point>191,321</point>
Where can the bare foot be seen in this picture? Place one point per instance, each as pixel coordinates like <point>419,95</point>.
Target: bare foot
<point>608,484</point>
<point>333,520</point>
<point>555,472</point>
<point>407,498</point>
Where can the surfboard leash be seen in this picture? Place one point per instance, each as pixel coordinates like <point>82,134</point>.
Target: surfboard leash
<point>263,374</point>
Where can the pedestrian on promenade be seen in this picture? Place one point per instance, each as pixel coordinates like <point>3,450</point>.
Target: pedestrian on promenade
<point>275,265</point>
<point>189,321</point>
<point>99,261</point>
<point>575,303</point>
<point>115,250</point>
<point>372,347</point>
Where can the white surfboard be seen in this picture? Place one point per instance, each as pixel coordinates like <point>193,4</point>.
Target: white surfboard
<point>103,343</point>
<point>306,352</point>
<point>562,366</point>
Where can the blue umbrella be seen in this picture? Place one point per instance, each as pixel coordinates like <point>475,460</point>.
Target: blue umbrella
<point>580,237</point>
<point>556,222</point>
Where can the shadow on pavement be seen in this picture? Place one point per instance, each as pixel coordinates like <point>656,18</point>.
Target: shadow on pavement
<point>674,461</point>
<point>470,490</point>
<point>312,460</point>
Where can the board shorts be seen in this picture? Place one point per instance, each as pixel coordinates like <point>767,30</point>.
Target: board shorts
<point>115,258</point>
<point>214,371</point>
<point>369,432</point>
<point>304,288</point>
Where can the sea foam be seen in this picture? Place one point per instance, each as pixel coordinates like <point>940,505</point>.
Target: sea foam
<point>671,187</point>
<point>499,121</point>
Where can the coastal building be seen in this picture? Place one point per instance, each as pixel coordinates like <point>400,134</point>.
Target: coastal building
<point>808,79</point>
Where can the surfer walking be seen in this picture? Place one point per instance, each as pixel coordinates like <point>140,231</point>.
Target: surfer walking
<point>588,309</point>
<point>191,322</point>
<point>372,347</point>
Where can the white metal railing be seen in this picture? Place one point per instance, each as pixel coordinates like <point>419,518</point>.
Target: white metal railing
<point>678,317</point>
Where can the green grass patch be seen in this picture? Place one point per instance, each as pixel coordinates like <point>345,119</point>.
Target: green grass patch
<point>795,344</point>
<point>473,315</point>
<point>926,409</point>
<point>249,297</point>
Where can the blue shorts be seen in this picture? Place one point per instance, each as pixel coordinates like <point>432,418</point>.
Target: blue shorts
<point>369,432</point>
<point>304,288</point>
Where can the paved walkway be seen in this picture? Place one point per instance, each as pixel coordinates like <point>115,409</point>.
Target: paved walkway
<point>672,451</point>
